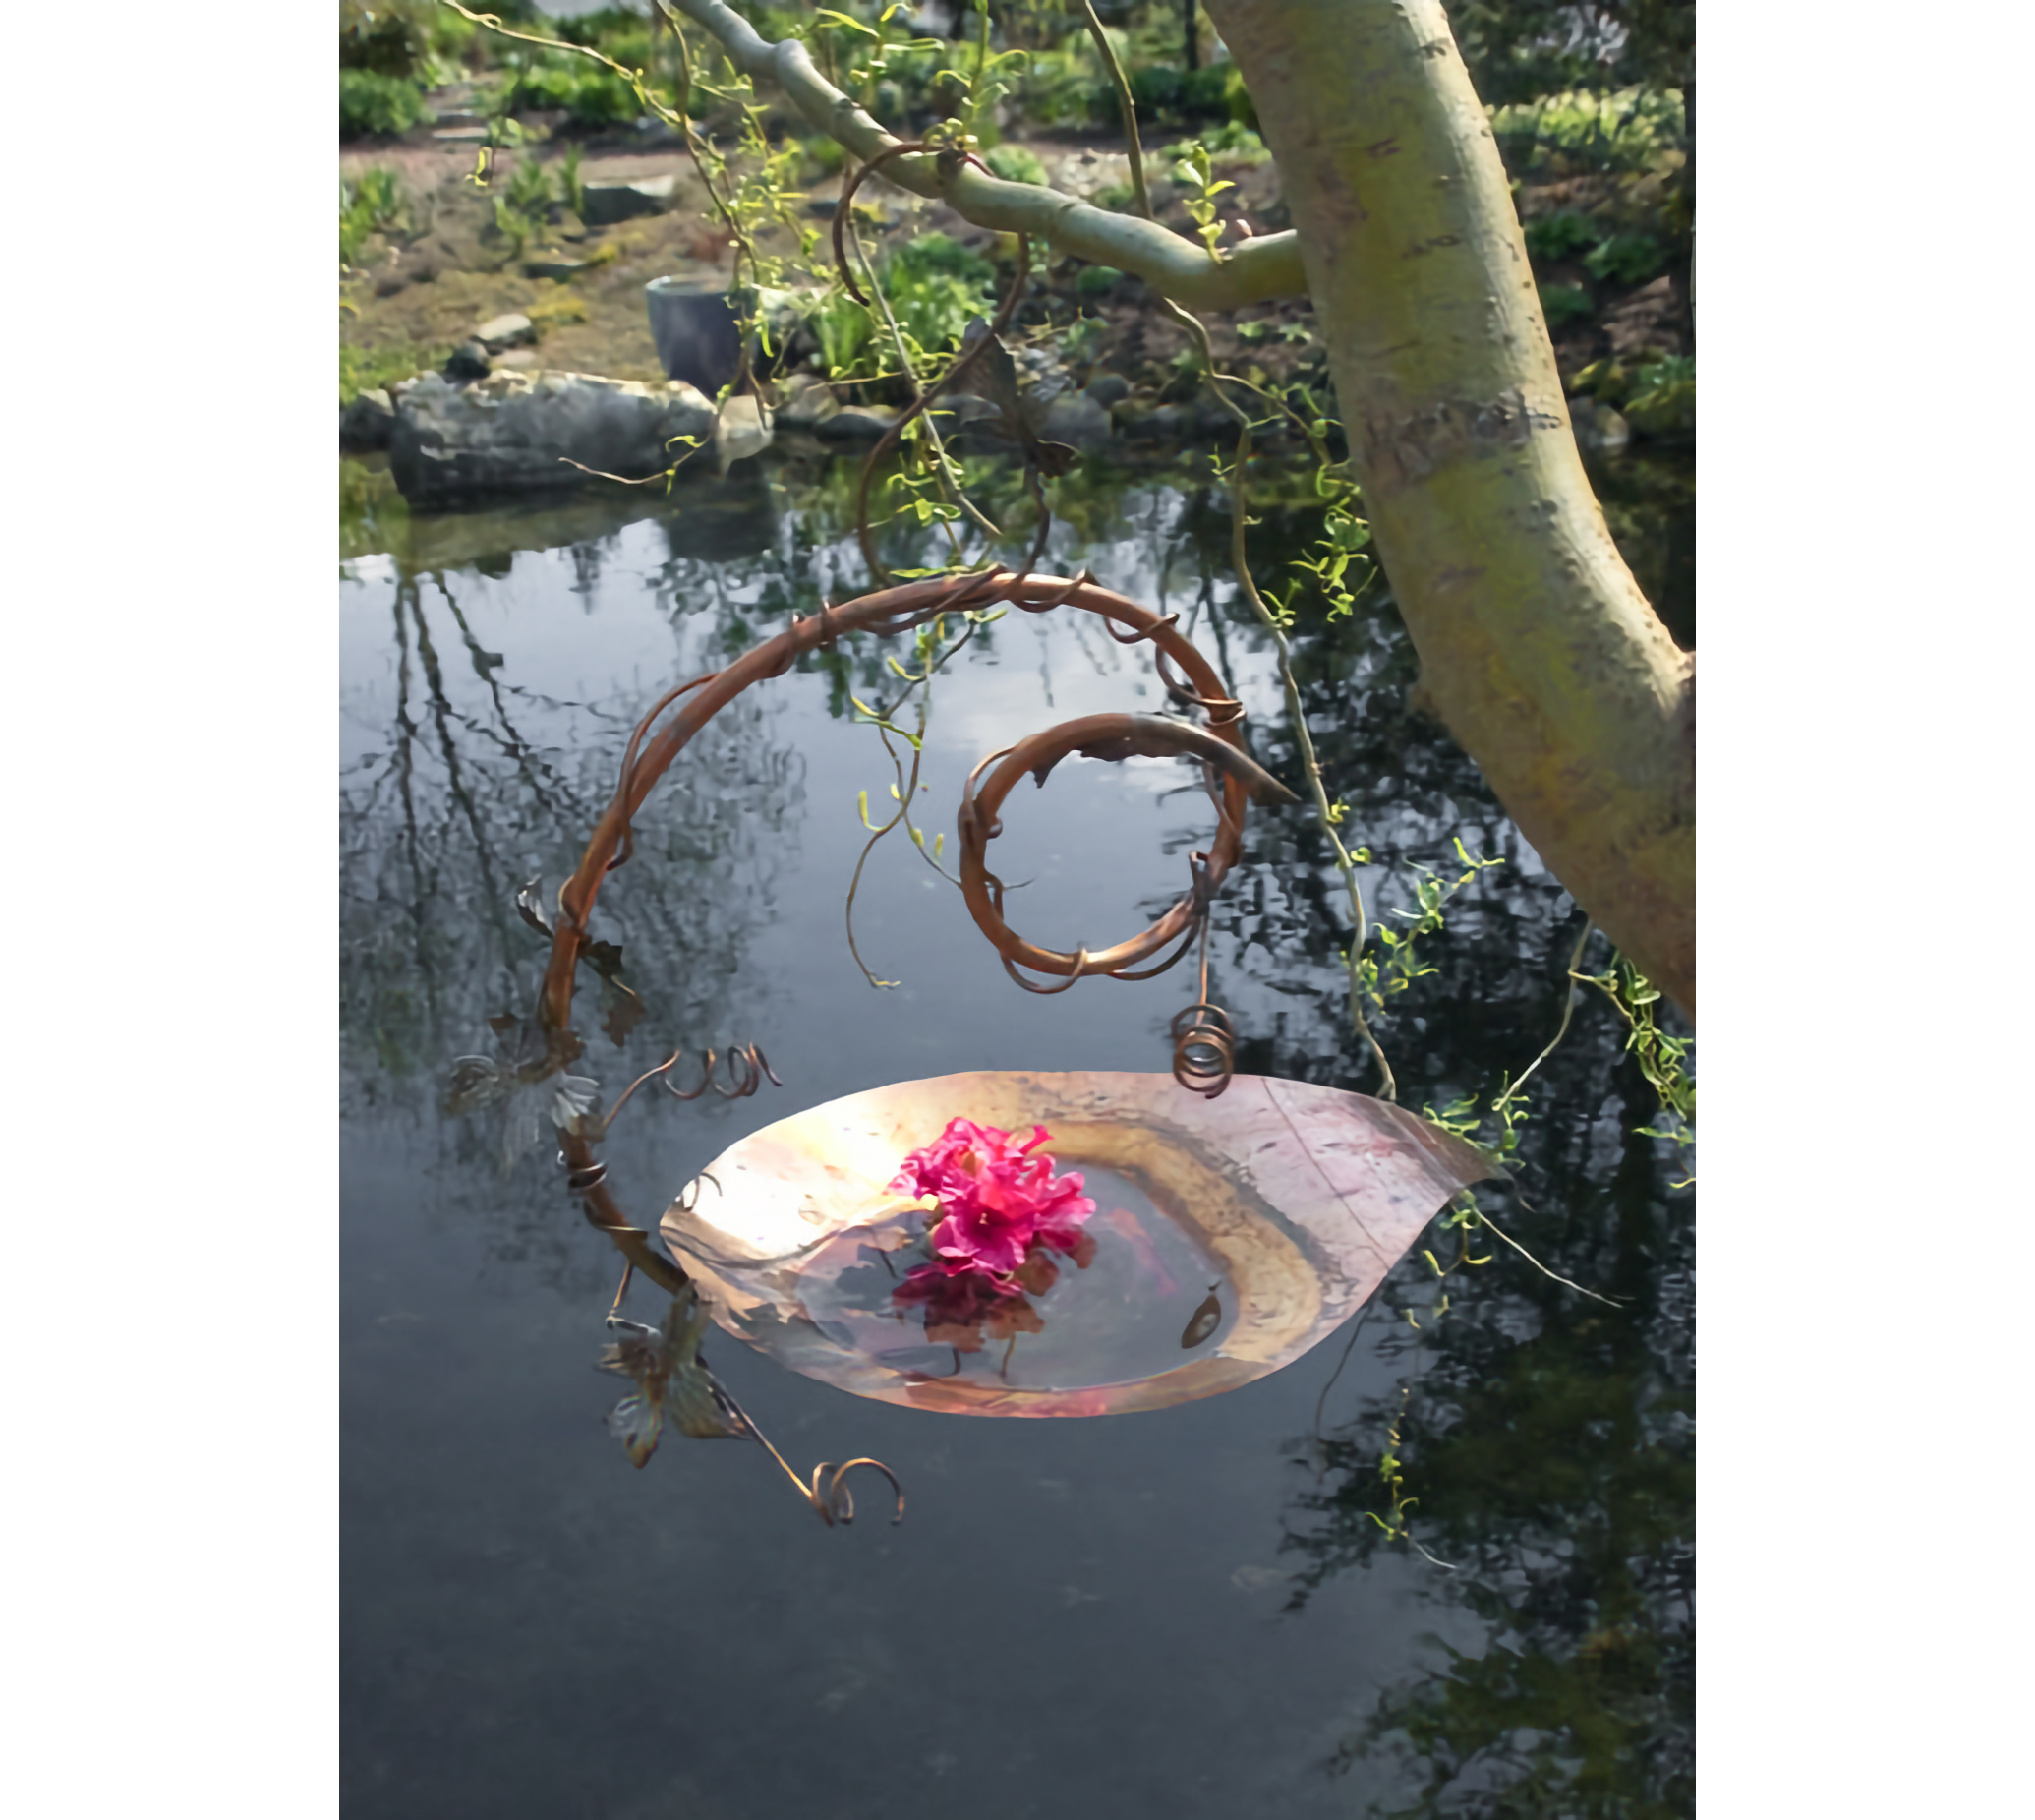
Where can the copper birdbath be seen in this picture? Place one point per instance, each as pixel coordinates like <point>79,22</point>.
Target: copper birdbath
<point>1232,1236</point>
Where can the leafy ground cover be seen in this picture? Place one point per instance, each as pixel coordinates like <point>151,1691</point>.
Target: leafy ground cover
<point>429,252</point>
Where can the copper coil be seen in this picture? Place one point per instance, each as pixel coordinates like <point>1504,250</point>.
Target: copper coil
<point>1111,736</point>
<point>1205,1049</point>
<point>832,1499</point>
<point>746,1071</point>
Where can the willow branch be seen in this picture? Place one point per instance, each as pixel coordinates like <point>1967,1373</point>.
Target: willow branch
<point>1266,267</point>
<point>1124,106</point>
<point>1324,810</point>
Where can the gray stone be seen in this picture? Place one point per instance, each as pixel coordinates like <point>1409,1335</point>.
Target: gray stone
<point>607,202</point>
<point>508,433</point>
<point>854,422</point>
<point>1163,423</point>
<point>559,266</point>
<point>1088,173</point>
<point>1076,421</point>
<point>1598,429</point>
<point>806,406</point>
<point>743,430</point>
<point>501,332</point>
<point>469,361</point>
<point>1042,374</point>
<point>367,422</point>
<point>1109,389</point>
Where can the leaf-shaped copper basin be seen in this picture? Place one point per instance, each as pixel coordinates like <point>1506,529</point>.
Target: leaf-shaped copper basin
<point>1281,1204</point>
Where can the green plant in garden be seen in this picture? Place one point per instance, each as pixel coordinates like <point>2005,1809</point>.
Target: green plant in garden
<point>572,191</point>
<point>621,32</point>
<point>376,368</point>
<point>1669,370</point>
<point>1602,380</point>
<point>589,98</point>
<point>373,202</point>
<point>1161,92</point>
<point>1156,91</point>
<point>937,288</point>
<point>1628,130</point>
<point>1660,397</point>
<point>1016,163</point>
<point>1563,304</point>
<point>1234,143</point>
<point>1093,281</point>
<point>1556,236</point>
<point>528,188</point>
<point>523,203</point>
<point>1237,99</point>
<point>375,105</point>
<point>416,39</point>
<point>824,154</point>
<point>1083,340</point>
<point>1625,259</point>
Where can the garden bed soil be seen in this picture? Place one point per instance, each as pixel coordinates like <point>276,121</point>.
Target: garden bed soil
<point>418,292</point>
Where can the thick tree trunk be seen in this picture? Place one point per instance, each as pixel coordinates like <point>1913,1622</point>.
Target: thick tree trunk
<point>1535,644</point>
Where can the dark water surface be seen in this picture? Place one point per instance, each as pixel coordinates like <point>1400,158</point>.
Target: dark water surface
<point>1193,1612</point>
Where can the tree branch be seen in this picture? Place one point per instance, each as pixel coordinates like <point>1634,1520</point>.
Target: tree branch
<point>1268,266</point>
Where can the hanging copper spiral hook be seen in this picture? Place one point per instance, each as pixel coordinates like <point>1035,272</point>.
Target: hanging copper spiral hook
<point>1204,1040</point>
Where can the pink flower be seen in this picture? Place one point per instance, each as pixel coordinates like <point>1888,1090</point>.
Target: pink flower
<point>972,1237</point>
<point>997,1198</point>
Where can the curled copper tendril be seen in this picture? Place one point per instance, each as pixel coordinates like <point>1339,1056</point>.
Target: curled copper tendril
<point>830,1496</point>
<point>1204,1040</point>
<point>746,1068</point>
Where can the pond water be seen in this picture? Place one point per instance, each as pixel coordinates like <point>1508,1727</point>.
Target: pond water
<point>1195,1611</point>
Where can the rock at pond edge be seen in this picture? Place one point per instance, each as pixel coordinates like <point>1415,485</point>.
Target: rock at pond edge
<point>515,432</point>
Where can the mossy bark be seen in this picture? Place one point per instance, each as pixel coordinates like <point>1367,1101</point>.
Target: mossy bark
<point>1536,647</point>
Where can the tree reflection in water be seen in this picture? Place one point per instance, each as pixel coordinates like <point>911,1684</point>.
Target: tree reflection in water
<point>1547,1439</point>
<point>1550,1444</point>
<point>469,787</point>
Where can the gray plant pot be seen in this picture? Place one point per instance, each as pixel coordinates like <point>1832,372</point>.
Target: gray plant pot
<point>692,320</point>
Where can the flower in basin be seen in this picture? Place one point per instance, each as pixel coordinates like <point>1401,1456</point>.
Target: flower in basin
<point>997,1197</point>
